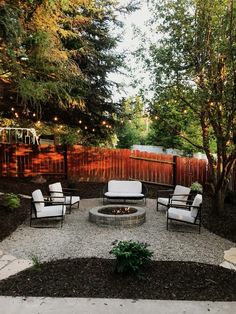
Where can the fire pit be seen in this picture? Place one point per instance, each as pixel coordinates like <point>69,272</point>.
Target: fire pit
<point>117,215</point>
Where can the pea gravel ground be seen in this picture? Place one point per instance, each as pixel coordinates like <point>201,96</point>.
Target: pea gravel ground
<point>81,238</point>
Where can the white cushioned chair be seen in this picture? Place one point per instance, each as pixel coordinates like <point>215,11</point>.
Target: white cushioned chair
<point>191,213</point>
<point>42,208</point>
<point>126,190</point>
<point>57,192</point>
<point>178,197</point>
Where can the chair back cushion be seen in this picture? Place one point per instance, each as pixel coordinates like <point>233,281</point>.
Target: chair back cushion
<point>38,197</point>
<point>181,194</point>
<point>196,203</point>
<point>55,191</point>
<point>116,186</point>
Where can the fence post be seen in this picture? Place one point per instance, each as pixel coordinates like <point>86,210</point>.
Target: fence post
<point>174,169</point>
<point>65,151</point>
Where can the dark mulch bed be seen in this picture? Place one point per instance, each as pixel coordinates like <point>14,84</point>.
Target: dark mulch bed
<point>91,277</point>
<point>11,219</point>
<point>95,278</point>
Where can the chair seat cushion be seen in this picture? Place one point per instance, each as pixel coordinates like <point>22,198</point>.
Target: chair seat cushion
<point>70,200</point>
<point>180,214</point>
<point>124,195</point>
<point>48,211</point>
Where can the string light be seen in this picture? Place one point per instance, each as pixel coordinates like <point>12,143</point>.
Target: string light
<point>55,118</point>
<point>103,122</point>
<point>12,109</point>
<point>16,114</point>
<point>85,127</point>
<point>156,117</point>
<point>80,121</point>
<point>34,114</point>
<point>93,130</point>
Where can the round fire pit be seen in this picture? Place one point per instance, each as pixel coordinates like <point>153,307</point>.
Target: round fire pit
<point>117,215</point>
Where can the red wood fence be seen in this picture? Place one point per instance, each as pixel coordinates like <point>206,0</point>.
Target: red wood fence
<point>102,164</point>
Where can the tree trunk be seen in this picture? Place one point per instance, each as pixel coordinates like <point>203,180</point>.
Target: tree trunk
<point>218,200</point>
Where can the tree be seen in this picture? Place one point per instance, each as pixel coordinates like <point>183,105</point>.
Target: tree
<point>193,63</point>
<point>132,128</point>
<point>55,59</point>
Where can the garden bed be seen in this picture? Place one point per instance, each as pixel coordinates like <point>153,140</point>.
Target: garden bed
<point>95,278</point>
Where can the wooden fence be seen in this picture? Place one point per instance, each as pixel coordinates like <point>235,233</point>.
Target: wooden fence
<point>102,164</point>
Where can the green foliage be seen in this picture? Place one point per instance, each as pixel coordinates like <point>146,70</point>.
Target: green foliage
<point>11,201</point>
<point>133,124</point>
<point>196,187</point>
<point>55,61</point>
<point>36,262</point>
<point>193,64</point>
<point>131,256</point>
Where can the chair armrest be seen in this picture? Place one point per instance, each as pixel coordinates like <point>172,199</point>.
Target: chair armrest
<point>171,195</point>
<point>185,207</point>
<point>48,202</point>
<point>51,198</point>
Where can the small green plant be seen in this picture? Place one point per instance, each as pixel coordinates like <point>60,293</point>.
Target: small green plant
<point>36,262</point>
<point>11,201</point>
<point>196,187</point>
<point>131,256</point>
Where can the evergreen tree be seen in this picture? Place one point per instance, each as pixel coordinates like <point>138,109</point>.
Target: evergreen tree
<point>54,63</point>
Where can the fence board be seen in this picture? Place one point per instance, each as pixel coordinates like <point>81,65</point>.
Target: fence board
<point>102,164</point>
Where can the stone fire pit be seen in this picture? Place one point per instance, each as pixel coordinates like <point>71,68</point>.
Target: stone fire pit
<point>117,215</point>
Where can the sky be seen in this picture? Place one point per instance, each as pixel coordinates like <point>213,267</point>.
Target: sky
<point>130,43</point>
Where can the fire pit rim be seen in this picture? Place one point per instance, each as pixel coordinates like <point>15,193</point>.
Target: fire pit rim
<point>95,211</point>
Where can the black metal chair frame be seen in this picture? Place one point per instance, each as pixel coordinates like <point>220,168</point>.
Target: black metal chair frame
<point>66,192</point>
<point>50,203</point>
<point>144,192</point>
<point>197,220</point>
<point>170,196</point>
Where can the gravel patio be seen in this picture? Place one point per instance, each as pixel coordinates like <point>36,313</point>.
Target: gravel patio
<point>81,238</point>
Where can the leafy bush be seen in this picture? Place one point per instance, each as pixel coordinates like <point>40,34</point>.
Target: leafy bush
<point>196,187</point>
<point>11,201</point>
<point>131,256</point>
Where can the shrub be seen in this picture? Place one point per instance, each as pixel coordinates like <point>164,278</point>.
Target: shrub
<point>196,187</point>
<point>36,262</point>
<point>131,256</point>
<point>11,201</point>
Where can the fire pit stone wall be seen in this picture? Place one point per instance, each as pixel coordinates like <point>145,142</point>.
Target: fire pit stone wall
<point>127,220</point>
